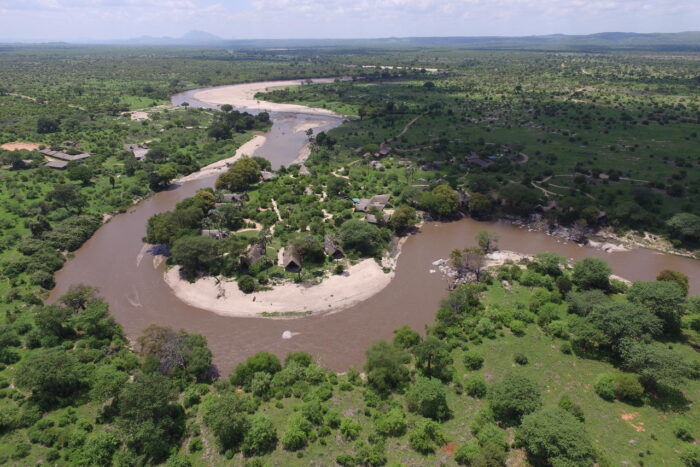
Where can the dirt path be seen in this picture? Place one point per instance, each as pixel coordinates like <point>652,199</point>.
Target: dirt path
<point>408,126</point>
<point>277,211</point>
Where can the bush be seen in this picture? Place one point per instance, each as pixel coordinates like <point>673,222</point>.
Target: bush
<point>261,438</point>
<point>566,348</point>
<point>513,397</point>
<point>605,386</point>
<point>691,456</point>
<point>467,453</point>
<point>556,437</point>
<point>392,423</point>
<point>683,430</point>
<point>628,388</point>
<point>350,429</point>
<point>426,437</point>
<point>567,404</point>
<point>520,359</point>
<point>473,360</point>
<point>246,284</point>
<point>296,435</point>
<point>475,386</point>
<point>345,460</point>
<point>427,397</point>
<point>517,327</point>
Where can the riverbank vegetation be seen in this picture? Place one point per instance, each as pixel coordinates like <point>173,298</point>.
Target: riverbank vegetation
<point>580,141</point>
<point>538,362</point>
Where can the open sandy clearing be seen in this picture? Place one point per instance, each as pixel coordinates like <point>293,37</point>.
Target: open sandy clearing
<point>18,146</point>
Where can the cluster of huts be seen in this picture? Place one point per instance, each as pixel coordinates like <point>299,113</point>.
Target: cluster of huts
<point>373,208</point>
<point>60,159</point>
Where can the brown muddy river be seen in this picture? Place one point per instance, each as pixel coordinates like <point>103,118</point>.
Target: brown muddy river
<point>131,279</point>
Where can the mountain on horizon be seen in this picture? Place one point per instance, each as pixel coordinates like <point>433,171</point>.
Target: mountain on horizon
<point>194,37</point>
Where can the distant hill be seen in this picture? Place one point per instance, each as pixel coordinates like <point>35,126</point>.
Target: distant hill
<point>191,38</point>
<point>606,41</point>
<point>600,42</point>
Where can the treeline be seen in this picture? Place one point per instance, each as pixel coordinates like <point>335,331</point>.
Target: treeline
<point>165,402</point>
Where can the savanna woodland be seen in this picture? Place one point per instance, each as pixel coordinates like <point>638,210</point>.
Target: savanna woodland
<point>538,361</point>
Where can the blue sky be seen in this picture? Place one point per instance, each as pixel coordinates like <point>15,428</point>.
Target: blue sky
<point>73,20</point>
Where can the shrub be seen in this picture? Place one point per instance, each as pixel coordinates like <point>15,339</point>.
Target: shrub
<point>473,360</point>
<point>691,456</point>
<point>427,397</point>
<point>261,438</point>
<point>520,359</point>
<point>350,429</point>
<point>557,437</point>
<point>605,386</point>
<point>296,435</point>
<point>392,423</point>
<point>517,327</point>
<point>345,460</point>
<point>567,404</point>
<point>246,284</point>
<point>628,388</point>
<point>467,453</point>
<point>475,386</point>
<point>683,430</point>
<point>426,437</point>
<point>566,348</point>
<point>513,397</point>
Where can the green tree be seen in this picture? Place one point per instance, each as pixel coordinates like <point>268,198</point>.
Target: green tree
<point>361,237</point>
<point>195,254</point>
<point>240,176</point>
<point>676,277</point>
<point>480,206</point>
<point>98,450</point>
<point>403,219</point>
<point>685,226</point>
<point>386,366</point>
<point>50,374</point>
<point>80,173</point>
<point>426,437</point>
<point>406,338</point>
<point>518,199</point>
<point>107,381</point>
<point>488,241</point>
<point>666,299</point>
<point>556,437</point>
<point>548,263</point>
<point>264,362</point>
<point>513,397</point>
<point>226,417</point>
<point>261,437</point>
<point>433,358</point>
<point>591,273</point>
<point>442,201</point>
<point>427,397</point>
<point>46,125</point>
<point>392,423</point>
<point>148,418</point>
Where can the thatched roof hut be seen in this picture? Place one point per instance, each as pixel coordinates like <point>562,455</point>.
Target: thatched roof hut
<point>291,260</point>
<point>332,248</point>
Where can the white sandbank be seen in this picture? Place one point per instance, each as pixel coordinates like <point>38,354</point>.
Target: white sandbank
<point>246,149</point>
<point>242,96</point>
<point>360,282</point>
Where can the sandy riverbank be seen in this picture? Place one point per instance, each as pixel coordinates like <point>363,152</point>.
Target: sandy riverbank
<point>242,96</point>
<point>337,292</point>
<point>247,149</point>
